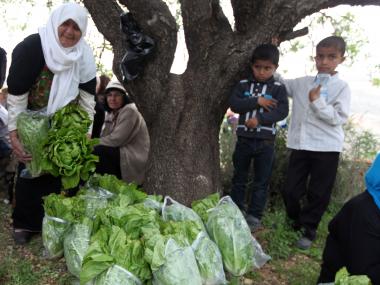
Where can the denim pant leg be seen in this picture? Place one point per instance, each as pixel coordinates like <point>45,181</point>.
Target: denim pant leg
<point>241,160</point>
<point>263,162</point>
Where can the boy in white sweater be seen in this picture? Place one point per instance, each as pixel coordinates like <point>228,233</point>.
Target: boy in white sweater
<point>320,108</point>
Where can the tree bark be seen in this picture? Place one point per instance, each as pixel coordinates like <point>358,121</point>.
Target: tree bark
<point>184,112</point>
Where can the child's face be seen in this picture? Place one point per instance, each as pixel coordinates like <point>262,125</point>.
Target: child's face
<point>327,59</point>
<point>263,69</point>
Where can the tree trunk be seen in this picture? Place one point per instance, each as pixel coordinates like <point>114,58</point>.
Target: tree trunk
<point>184,112</point>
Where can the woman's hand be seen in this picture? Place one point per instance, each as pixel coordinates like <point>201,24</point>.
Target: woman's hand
<point>18,149</point>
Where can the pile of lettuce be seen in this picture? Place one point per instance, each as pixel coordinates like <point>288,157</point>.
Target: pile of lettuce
<point>112,232</point>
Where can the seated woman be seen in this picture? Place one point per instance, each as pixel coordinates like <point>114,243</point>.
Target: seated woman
<point>354,234</point>
<point>124,140</point>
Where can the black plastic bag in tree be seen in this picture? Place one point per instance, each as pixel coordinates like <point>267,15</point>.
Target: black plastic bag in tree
<point>139,46</point>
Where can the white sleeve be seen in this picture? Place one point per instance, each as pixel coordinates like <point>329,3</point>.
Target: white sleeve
<point>16,105</point>
<point>87,102</point>
<point>336,113</point>
<point>3,115</point>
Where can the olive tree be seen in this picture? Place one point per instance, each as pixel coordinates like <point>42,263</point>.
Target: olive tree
<point>184,112</point>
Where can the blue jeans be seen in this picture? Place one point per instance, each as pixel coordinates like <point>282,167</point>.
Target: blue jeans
<point>262,154</point>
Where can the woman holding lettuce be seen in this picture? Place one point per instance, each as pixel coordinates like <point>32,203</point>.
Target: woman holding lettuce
<point>48,70</point>
<point>124,141</point>
<point>354,234</point>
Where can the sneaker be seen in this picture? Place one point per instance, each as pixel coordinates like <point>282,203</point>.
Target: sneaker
<point>253,223</point>
<point>304,243</point>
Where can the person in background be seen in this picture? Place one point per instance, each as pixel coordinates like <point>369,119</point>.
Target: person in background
<point>124,141</point>
<point>3,66</point>
<point>7,160</point>
<point>48,70</point>
<point>260,101</point>
<point>315,139</point>
<point>101,84</point>
<point>354,234</point>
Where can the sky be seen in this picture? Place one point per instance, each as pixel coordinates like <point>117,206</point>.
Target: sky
<point>365,97</point>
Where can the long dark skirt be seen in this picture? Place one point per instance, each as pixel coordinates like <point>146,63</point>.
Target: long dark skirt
<point>28,212</point>
<point>109,160</point>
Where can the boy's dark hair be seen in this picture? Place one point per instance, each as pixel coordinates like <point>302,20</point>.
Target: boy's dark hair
<point>266,52</point>
<point>333,41</point>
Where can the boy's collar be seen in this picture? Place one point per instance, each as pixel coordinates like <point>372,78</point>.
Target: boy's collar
<point>334,76</point>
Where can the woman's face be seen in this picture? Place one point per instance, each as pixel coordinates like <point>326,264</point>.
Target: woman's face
<point>69,33</point>
<point>115,100</point>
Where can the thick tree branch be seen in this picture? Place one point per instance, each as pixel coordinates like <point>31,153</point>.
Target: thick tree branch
<point>104,24</point>
<point>245,13</point>
<point>204,24</point>
<point>287,36</point>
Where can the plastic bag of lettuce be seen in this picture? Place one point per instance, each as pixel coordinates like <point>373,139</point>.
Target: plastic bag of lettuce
<point>109,247</point>
<point>32,129</point>
<point>209,260</point>
<point>174,211</point>
<point>229,230</point>
<point>75,244</point>
<point>60,212</point>
<point>172,263</point>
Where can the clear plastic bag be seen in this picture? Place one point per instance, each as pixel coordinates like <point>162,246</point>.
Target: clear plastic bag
<point>75,245</point>
<point>32,130</point>
<point>229,230</point>
<point>180,267</point>
<point>116,275</point>
<point>53,232</point>
<point>209,260</point>
<point>260,257</point>
<point>174,211</point>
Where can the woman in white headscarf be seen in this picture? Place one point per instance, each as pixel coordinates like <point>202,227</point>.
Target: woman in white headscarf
<point>48,69</point>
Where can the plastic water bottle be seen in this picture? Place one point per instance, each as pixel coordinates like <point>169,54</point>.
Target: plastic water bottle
<point>322,79</point>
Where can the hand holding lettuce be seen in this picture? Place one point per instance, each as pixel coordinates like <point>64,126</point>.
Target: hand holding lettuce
<point>32,128</point>
<point>63,149</point>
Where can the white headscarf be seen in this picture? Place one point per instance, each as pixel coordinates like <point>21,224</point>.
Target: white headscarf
<point>70,66</point>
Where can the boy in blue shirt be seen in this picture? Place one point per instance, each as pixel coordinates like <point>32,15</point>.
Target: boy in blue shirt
<point>260,101</point>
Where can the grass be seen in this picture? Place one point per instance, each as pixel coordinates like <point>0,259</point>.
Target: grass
<point>26,265</point>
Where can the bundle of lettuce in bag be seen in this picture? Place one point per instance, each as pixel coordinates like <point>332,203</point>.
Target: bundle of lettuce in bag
<point>60,212</point>
<point>112,258</point>
<point>67,151</point>
<point>75,244</point>
<point>93,200</point>
<point>209,260</point>
<point>32,129</point>
<point>229,230</point>
<point>171,259</point>
<point>174,211</point>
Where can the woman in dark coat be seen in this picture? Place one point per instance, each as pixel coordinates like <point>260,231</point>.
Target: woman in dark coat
<point>354,234</point>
